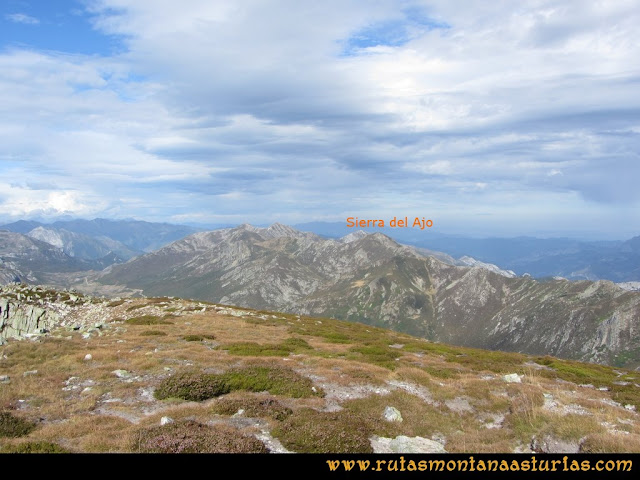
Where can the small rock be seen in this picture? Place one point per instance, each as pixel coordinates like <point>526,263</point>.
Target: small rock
<point>404,444</point>
<point>166,420</point>
<point>168,369</point>
<point>239,413</point>
<point>30,372</point>
<point>392,414</point>
<point>121,373</point>
<point>86,335</point>
<point>549,444</point>
<point>86,390</point>
<point>630,407</point>
<point>5,379</point>
<point>88,357</point>
<point>512,378</point>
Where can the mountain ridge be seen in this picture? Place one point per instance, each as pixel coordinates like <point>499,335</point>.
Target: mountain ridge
<point>374,280</point>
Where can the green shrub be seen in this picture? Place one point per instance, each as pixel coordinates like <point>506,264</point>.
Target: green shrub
<point>276,380</point>
<point>192,386</point>
<point>310,431</point>
<point>147,320</point>
<point>153,333</point>
<point>33,447</point>
<point>12,426</point>
<point>193,437</point>
<point>290,345</point>
<point>198,338</point>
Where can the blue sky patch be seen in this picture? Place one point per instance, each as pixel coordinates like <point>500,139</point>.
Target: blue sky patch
<point>392,33</point>
<point>63,25</point>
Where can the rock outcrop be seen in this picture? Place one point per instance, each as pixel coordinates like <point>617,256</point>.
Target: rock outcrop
<point>18,319</point>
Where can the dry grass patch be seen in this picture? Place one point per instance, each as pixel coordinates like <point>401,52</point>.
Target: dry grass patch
<point>609,443</point>
<point>419,418</point>
<point>310,431</point>
<point>89,433</point>
<point>481,440</point>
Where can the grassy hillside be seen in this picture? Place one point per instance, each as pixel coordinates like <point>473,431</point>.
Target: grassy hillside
<point>240,380</point>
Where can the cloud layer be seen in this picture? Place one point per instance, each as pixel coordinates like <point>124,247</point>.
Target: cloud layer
<point>499,118</point>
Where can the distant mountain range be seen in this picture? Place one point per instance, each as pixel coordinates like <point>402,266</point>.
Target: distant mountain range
<point>371,279</point>
<point>618,261</point>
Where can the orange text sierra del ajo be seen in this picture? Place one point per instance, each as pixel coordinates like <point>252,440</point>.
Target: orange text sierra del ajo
<point>395,222</point>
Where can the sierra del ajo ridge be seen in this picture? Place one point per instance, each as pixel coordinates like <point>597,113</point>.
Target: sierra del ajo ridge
<point>370,278</point>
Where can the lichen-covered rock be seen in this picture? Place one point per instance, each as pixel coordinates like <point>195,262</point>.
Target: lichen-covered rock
<point>392,414</point>
<point>18,318</point>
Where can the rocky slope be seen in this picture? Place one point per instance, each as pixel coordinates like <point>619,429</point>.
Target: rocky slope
<point>134,235</point>
<point>83,246</point>
<point>30,260</point>
<point>373,280</point>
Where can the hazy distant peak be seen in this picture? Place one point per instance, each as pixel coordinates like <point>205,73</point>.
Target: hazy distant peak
<point>352,237</point>
<point>47,235</point>
<point>472,262</point>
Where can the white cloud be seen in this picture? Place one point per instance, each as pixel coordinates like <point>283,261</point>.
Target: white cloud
<point>253,108</point>
<point>22,18</point>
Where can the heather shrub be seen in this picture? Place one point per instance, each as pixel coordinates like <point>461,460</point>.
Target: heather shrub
<point>193,437</point>
<point>253,407</point>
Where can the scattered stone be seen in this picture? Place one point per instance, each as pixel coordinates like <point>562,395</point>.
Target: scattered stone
<point>396,345</point>
<point>497,421</point>
<point>239,413</point>
<point>549,444</point>
<point>404,444</point>
<point>603,389</point>
<point>88,357</point>
<point>512,378</point>
<point>86,335</point>
<point>392,414</point>
<point>121,373</point>
<point>459,405</point>
<point>5,379</point>
<point>30,372</point>
<point>166,420</point>
<point>630,407</point>
<point>86,390</point>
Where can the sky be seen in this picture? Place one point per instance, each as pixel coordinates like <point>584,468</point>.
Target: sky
<point>489,118</point>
